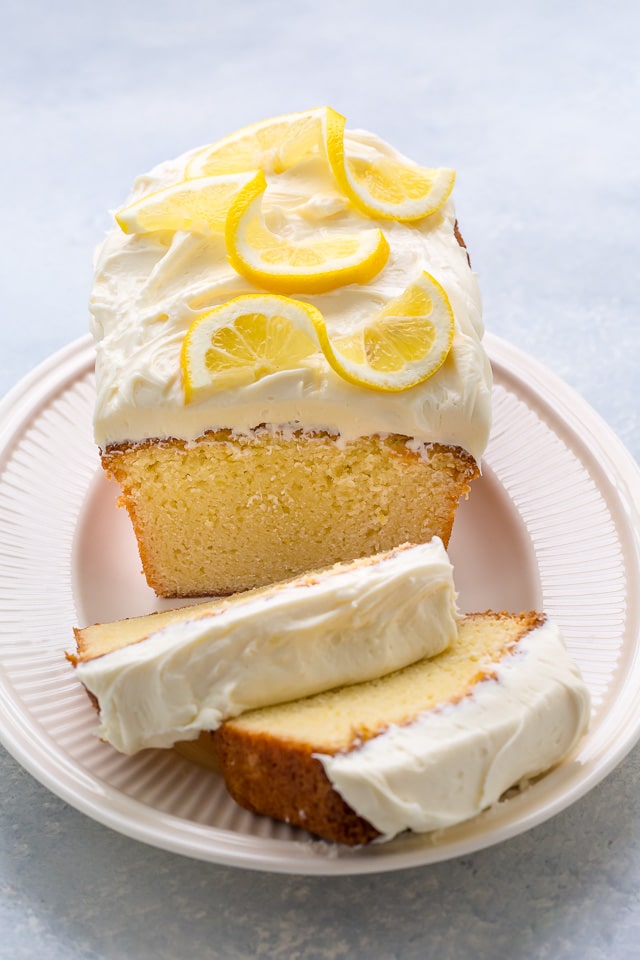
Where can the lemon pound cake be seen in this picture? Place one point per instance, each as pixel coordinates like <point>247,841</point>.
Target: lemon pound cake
<point>420,749</point>
<point>164,678</point>
<point>289,359</point>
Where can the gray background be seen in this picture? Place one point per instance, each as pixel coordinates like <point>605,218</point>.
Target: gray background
<point>537,107</point>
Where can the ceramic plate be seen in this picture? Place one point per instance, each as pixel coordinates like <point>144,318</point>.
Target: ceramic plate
<point>553,523</point>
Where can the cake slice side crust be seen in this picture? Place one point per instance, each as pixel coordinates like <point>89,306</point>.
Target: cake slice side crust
<point>282,780</point>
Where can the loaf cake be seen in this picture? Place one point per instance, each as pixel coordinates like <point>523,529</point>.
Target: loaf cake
<point>165,677</point>
<point>353,407</point>
<point>422,748</point>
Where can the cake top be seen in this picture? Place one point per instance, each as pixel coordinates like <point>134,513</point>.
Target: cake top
<point>366,317</point>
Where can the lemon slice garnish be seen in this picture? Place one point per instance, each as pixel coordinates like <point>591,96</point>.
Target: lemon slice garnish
<point>200,206</point>
<point>384,187</point>
<point>274,145</point>
<point>245,339</point>
<point>275,263</point>
<point>405,343</point>
<point>396,191</point>
<point>255,335</point>
<point>381,187</point>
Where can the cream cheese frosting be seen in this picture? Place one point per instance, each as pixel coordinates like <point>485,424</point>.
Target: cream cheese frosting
<point>352,623</point>
<point>453,762</point>
<point>149,288</point>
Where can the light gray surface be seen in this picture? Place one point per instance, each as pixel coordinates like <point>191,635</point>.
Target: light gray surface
<point>537,108</point>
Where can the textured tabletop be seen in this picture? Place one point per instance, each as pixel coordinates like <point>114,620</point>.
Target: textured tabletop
<point>536,105</point>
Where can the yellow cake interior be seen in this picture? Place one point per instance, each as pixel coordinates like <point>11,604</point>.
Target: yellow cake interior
<point>230,513</point>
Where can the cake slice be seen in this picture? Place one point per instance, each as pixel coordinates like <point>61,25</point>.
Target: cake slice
<point>167,676</point>
<point>421,748</point>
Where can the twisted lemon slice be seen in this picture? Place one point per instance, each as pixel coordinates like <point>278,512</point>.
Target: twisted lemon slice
<point>385,187</point>
<point>275,145</point>
<point>316,265</point>
<point>246,339</point>
<point>394,190</point>
<point>200,206</point>
<point>257,334</point>
<point>381,187</point>
<point>404,344</point>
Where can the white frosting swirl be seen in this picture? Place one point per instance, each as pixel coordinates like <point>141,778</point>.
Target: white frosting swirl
<point>149,288</point>
<point>454,762</point>
<point>353,623</point>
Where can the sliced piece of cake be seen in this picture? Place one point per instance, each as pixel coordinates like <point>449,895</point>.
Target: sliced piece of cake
<point>165,677</point>
<point>422,748</point>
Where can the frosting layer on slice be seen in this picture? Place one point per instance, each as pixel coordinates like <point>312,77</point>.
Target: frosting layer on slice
<point>454,761</point>
<point>167,677</point>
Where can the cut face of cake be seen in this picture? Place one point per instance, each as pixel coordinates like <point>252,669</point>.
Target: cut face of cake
<point>289,359</point>
<point>165,677</point>
<point>422,748</point>
<point>232,512</point>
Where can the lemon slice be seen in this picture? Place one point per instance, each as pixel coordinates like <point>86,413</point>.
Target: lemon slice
<point>396,191</point>
<point>200,206</point>
<point>321,263</point>
<point>255,335</point>
<point>384,187</point>
<point>274,145</point>
<point>403,345</point>
<point>245,339</point>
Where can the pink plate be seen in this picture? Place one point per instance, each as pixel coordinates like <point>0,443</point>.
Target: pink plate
<point>552,524</point>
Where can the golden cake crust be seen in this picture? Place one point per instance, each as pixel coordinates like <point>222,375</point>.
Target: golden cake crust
<point>286,782</point>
